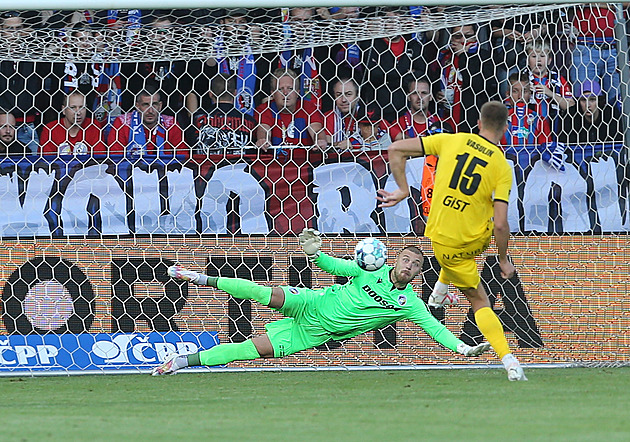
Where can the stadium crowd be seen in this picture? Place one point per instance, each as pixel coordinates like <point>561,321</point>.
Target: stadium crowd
<point>558,75</point>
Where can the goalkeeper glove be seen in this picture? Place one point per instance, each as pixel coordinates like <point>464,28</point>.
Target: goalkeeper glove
<point>311,242</point>
<point>469,351</point>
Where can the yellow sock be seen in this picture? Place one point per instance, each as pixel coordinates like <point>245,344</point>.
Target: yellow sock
<point>492,329</point>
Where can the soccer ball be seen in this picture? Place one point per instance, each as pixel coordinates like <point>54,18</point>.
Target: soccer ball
<point>370,254</point>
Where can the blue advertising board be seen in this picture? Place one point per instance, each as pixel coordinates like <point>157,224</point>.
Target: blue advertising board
<point>100,351</point>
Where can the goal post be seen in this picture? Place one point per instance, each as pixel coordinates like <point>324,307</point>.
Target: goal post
<point>107,194</point>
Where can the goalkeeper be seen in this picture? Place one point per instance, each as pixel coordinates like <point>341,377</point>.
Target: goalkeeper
<point>369,301</point>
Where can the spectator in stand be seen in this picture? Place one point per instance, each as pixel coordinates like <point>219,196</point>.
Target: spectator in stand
<point>419,118</point>
<point>595,51</point>
<point>146,131</point>
<point>527,135</point>
<point>418,121</point>
<point>591,126</point>
<point>222,129</point>
<point>287,120</point>
<point>21,82</point>
<point>552,92</point>
<point>86,73</point>
<point>373,129</point>
<point>306,62</point>
<point>430,39</point>
<point>73,133</point>
<point>9,145</point>
<point>247,68</point>
<point>526,128</point>
<point>339,60</point>
<point>164,74</point>
<point>592,120</point>
<point>341,124</point>
<point>509,38</point>
<point>387,61</point>
<point>129,19</point>
<point>337,13</point>
<point>467,76</point>
<point>14,31</point>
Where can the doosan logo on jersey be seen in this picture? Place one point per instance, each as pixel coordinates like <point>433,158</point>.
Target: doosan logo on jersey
<point>378,298</point>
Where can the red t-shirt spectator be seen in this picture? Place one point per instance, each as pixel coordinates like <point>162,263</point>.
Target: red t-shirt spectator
<point>162,140</point>
<point>411,128</point>
<point>290,128</point>
<point>56,140</point>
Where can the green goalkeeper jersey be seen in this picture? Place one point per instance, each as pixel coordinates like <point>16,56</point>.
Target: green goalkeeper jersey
<point>370,301</point>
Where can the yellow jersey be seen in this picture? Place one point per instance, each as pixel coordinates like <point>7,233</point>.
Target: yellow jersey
<point>472,173</point>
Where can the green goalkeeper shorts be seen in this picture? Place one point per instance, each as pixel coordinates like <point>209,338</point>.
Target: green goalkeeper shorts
<point>301,330</point>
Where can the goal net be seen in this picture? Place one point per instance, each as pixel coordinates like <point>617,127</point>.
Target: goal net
<point>132,140</point>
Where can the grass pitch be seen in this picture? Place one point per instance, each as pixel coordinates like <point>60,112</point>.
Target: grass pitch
<point>425,405</point>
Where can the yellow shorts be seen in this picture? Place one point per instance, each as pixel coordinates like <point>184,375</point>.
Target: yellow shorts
<point>458,263</point>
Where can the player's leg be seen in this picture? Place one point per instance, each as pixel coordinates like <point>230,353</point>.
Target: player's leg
<point>462,272</point>
<point>283,338</point>
<point>449,258</point>
<point>487,321</point>
<point>237,287</point>
<point>440,296</point>
<point>492,329</point>
<point>257,347</point>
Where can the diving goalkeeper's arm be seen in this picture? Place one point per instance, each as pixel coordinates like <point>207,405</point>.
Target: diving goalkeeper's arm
<point>443,335</point>
<point>311,242</point>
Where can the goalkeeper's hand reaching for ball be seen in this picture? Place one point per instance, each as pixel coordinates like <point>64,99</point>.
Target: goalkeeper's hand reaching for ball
<point>311,242</point>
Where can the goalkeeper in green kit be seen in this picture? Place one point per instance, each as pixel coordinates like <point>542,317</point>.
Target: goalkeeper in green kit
<point>368,301</point>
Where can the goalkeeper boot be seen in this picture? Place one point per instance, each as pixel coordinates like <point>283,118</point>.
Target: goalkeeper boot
<point>179,272</point>
<point>171,364</point>
<point>514,370</point>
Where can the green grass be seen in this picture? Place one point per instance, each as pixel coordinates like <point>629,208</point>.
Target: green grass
<point>555,405</point>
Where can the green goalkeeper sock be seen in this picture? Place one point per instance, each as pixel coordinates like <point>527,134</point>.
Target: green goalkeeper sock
<point>224,353</point>
<point>244,289</point>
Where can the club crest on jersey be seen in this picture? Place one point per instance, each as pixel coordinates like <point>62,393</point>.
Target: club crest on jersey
<point>293,290</point>
<point>402,300</point>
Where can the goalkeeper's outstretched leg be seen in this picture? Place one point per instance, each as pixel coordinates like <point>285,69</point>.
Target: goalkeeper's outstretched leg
<point>257,347</point>
<point>239,288</point>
